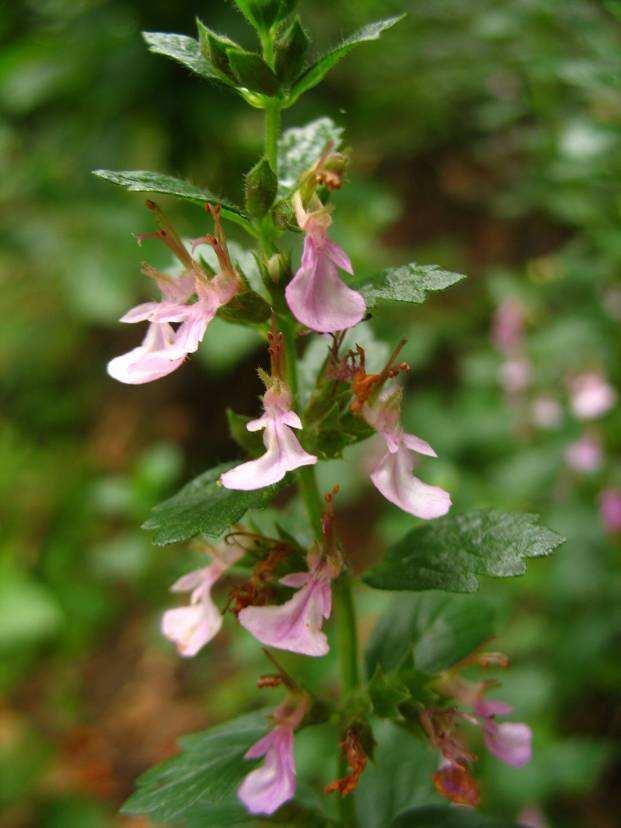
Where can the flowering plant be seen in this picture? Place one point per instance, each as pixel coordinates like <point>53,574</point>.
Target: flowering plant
<point>282,586</point>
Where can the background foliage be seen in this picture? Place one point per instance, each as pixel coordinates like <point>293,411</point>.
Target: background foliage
<point>487,139</point>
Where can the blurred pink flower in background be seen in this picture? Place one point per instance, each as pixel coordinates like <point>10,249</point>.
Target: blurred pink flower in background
<point>610,509</point>
<point>546,412</point>
<point>591,396</point>
<point>584,455</point>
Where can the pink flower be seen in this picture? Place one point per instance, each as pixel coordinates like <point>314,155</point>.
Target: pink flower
<point>268,787</point>
<point>515,375</point>
<point>191,627</point>
<point>584,455</point>
<point>142,365</point>
<point>610,509</point>
<point>296,624</point>
<point>546,412</point>
<point>510,741</point>
<point>393,476</point>
<point>317,296</point>
<point>591,396</point>
<point>284,452</point>
<point>154,359</point>
<point>508,325</point>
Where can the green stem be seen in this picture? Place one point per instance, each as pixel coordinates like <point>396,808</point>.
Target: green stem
<point>272,131</point>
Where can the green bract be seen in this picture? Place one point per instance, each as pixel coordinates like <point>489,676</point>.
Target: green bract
<point>451,552</point>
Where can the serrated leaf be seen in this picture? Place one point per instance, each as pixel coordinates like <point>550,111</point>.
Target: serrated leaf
<point>300,147</point>
<point>204,507</point>
<point>409,283</point>
<point>387,692</point>
<point>432,631</point>
<point>321,67</point>
<point>451,552</point>
<point>185,50</point>
<point>252,71</point>
<point>260,188</point>
<point>208,769</point>
<point>444,816</point>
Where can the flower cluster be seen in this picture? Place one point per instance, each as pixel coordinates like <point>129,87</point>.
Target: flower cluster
<point>510,742</point>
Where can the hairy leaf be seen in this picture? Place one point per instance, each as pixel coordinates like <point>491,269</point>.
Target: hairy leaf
<point>444,816</point>
<point>409,283</point>
<point>185,50</point>
<point>300,147</point>
<point>204,507</point>
<point>321,67</point>
<point>143,181</point>
<point>208,769</point>
<point>435,630</point>
<point>451,552</point>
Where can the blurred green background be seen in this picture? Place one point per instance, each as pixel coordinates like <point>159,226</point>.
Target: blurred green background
<point>487,139</point>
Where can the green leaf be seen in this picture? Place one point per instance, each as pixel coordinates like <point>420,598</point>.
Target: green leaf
<point>291,48</point>
<point>451,552</point>
<point>143,181</point>
<point>252,71</point>
<point>435,630</point>
<point>321,67</point>
<point>204,507</point>
<point>443,816</point>
<point>387,692</point>
<point>399,777</point>
<point>260,188</point>
<point>409,283</point>
<point>300,147</point>
<point>185,50</point>
<point>208,769</point>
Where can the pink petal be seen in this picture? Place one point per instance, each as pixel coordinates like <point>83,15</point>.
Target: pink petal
<point>393,478</point>
<point>319,298</point>
<point>149,361</point>
<point>492,707</point>
<point>191,580</point>
<point>296,624</point>
<point>190,335</point>
<point>141,313</point>
<point>338,256</point>
<point>266,788</point>
<point>284,453</point>
<point>511,742</point>
<point>415,443</point>
<point>190,628</point>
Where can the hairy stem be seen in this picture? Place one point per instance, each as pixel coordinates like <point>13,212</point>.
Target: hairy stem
<point>272,131</point>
